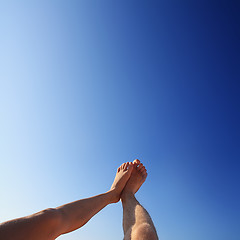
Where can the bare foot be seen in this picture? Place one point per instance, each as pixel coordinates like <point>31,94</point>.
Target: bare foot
<point>138,177</point>
<point>122,176</point>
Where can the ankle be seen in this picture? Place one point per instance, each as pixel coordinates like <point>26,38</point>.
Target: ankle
<point>113,196</point>
<point>127,195</point>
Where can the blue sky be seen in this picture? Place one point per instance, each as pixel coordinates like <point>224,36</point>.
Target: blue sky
<point>87,85</point>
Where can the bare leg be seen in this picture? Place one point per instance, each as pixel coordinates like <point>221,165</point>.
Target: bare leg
<point>137,223</point>
<point>51,223</point>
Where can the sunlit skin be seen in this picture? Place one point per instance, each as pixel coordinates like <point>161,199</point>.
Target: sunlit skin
<point>51,223</point>
<point>137,223</point>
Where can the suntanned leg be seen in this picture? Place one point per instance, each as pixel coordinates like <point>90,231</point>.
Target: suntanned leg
<point>51,223</point>
<point>137,223</point>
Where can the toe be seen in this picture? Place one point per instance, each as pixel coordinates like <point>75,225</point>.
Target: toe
<point>136,161</point>
<point>126,165</point>
<point>140,166</point>
<point>144,173</point>
<point>143,170</point>
<point>121,167</point>
<point>130,167</point>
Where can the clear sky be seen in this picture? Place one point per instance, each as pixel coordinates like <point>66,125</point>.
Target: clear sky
<point>88,85</point>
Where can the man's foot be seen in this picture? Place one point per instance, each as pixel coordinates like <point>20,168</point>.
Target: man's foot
<point>138,177</point>
<point>122,176</point>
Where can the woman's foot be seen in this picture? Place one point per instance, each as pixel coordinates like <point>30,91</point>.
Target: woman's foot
<point>122,176</point>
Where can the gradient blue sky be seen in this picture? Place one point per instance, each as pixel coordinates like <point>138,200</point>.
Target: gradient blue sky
<point>87,85</point>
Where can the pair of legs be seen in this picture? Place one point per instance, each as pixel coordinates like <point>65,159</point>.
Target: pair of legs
<point>51,223</point>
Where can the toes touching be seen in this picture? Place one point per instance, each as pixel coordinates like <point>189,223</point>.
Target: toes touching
<point>125,166</point>
<point>140,167</point>
<point>136,164</point>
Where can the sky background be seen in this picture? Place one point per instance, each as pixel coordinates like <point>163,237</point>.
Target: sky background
<point>88,85</point>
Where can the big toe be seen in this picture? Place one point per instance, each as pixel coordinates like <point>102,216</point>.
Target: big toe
<point>136,161</point>
<point>130,167</point>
